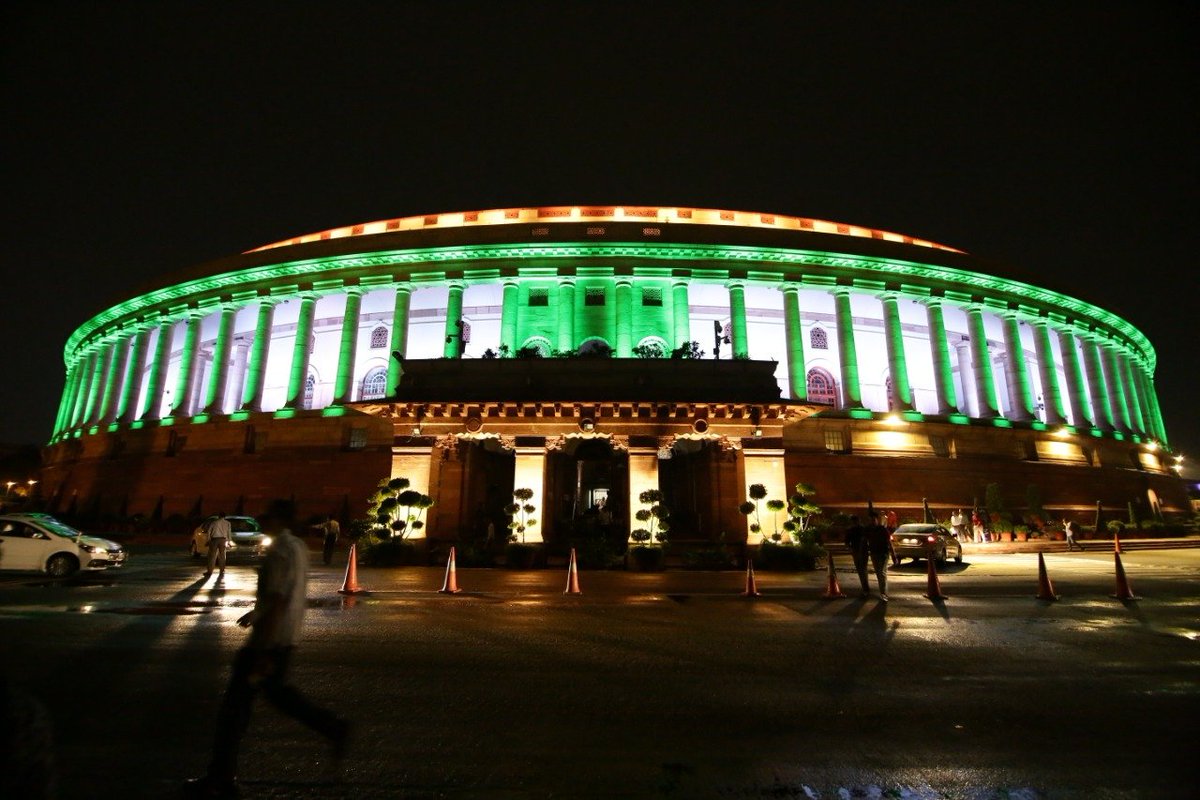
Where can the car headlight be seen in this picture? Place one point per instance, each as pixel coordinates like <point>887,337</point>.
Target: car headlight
<point>90,548</point>
<point>266,542</point>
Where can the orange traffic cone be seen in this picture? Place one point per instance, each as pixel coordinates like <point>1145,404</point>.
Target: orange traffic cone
<point>1116,542</point>
<point>751,586</point>
<point>572,576</point>
<point>1123,592</point>
<point>1045,587</point>
<point>833,591</point>
<point>934,588</point>
<point>450,585</point>
<point>350,585</point>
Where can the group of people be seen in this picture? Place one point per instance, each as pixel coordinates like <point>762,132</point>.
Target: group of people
<point>871,541</point>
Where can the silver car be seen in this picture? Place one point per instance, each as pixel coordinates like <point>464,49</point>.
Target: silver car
<point>917,541</point>
<point>41,543</point>
<point>247,538</point>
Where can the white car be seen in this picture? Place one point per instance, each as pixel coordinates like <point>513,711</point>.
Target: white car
<point>247,538</point>
<point>41,543</point>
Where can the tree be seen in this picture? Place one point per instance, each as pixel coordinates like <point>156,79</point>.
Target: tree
<point>757,492</point>
<point>521,513</point>
<point>654,518</point>
<point>688,351</point>
<point>396,510</point>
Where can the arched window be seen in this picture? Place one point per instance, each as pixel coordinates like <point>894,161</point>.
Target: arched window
<point>374,385</point>
<point>651,347</point>
<point>379,338</point>
<point>821,387</point>
<point>539,343</point>
<point>595,346</point>
<point>818,339</point>
<point>310,390</point>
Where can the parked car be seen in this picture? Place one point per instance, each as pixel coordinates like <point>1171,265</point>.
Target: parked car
<point>41,543</point>
<point>248,538</point>
<point>917,541</point>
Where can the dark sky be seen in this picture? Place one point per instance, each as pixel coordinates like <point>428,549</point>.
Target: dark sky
<point>142,139</point>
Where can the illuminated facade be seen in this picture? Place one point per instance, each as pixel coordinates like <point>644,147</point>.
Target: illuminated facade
<point>905,370</point>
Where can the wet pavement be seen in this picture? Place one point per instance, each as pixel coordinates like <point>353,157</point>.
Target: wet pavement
<point>646,685</point>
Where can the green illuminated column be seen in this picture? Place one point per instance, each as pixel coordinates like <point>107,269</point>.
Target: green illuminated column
<point>566,314</point>
<point>116,379</point>
<point>152,404</point>
<point>127,407</point>
<point>680,314</point>
<point>851,393</point>
<point>1156,410</point>
<point>1116,389</point>
<point>343,389</point>
<point>624,301</point>
<point>399,341</point>
<point>255,383</point>
<point>1097,391</point>
<point>1139,382</point>
<point>237,374</point>
<point>87,366</point>
<point>508,316</point>
<point>1051,396</point>
<point>214,401</point>
<point>100,384</point>
<point>943,372</point>
<point>67,405</point>
<point>1076,390</point>
<point>981,365</point>
<point>186,378</point>
<point>970,401</point>
<point>1017,373</point>
<point>1136,419</point>
<point>897,363</point>
<point>454,303</point>
<point>737,319</point>
<point>793,330</point>
<point>301,352</point>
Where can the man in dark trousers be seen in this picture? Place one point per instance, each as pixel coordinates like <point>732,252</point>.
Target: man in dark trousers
<point>331,531</point>
<point>262,664</point>
<point>879,544</point>
<point>856,543</point>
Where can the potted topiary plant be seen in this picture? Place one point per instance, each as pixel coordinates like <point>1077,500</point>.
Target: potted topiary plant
<point>394,515</point>
<point>647,553</point>
<point>519,554</point>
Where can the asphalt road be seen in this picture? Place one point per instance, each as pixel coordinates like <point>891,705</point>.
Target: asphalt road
<point>647,685</point>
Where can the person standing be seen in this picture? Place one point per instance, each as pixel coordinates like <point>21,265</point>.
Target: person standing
<point>879,544</point>
<point>1069,530</point>
<point>977,526</point>
<point>219,532</point>
<point>262,664</point>
<point>856,543</point>
<point>332,532</point>
<point>958,525</point>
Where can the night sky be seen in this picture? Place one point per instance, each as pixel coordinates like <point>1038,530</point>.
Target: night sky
<point>141,139</point>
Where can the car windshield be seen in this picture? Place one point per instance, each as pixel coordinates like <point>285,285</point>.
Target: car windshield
<point>243,525</point>
<point>917,529</point>
<point>61,528</point>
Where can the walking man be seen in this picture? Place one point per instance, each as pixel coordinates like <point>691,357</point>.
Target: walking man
<point>333,532</point>
<point>262,664</point>
<point>856,543</point>
<point>879,543</point>
<point>219,532</point>
<point>1069,530</point>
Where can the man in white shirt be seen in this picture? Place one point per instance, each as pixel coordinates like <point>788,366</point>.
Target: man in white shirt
<point>218,532</point>
<point>275,622</point>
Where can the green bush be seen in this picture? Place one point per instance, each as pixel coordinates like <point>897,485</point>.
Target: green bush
<point>793,557</point>
<point>391,552</point>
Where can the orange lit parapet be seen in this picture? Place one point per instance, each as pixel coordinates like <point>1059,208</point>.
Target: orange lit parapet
<point>688,216</point>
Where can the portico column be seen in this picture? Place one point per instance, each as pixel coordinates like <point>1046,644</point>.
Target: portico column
<point>454,331</point>
<point>152,403</point>
<point>848,356</point>
<point>233,397</point>
<point>343,388</point>
<point>1051,395</point>
<point>252,394</point>
<point>508,316</point>
<point>1136,420</point>
<point>101,386</point>
<point>1138,377</point>
<point>1076,391</point>
<point>1116,389</point>
<point>87,365</point>
<point>298,374</point>
<point>624,299</point>
<point>127,408</point>
<point>399,342</point>
<point>214,401</point>
<point>681,327</point>
<point>566,314</point>
<point>116,379</point>
<point>970,401</point>
<point>643,475</point>
<point>985,385</point>
<point>1101,410</point>
<point>529,470</point>
<point>1017,374</point>
<point>187,366</point>
<point>1152,399</point>
<point>737,319</point>
<point>897,363</point>
<point>64,402</point>
<point>794,332</point>
<point>943,373</point>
